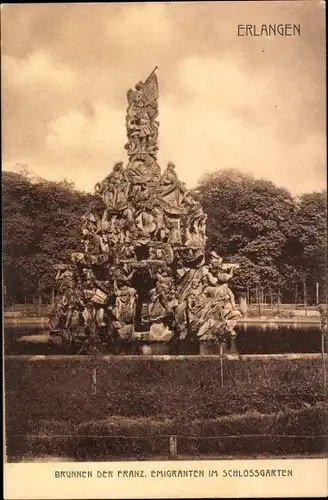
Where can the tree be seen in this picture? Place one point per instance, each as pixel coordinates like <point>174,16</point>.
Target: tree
<point>41,227</point>
<point>305,251</point>
<point>248,221</point>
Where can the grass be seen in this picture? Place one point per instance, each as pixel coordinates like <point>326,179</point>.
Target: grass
<point>149,398</point>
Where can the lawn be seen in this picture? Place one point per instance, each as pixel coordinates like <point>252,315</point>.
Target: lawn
<point>262,404</point>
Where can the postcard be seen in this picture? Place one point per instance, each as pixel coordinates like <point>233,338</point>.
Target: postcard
<point>164,250</point>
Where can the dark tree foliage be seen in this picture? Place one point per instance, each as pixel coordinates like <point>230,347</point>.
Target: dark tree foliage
<point>305,253</point>
<point>279,240</point>
<point>41,227</point>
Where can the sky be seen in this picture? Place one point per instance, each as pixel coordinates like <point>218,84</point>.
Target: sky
<point>252,103</point>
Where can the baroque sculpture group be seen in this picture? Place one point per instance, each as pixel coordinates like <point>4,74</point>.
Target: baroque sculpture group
<point>141,272</point>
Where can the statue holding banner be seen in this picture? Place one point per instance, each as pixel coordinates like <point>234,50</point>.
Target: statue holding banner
<point>141,123</point>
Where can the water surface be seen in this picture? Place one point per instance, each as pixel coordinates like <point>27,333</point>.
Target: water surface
<point>249,339</point>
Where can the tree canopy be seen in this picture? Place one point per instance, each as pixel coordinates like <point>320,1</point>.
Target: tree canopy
<point>41,227</point>
<point>280,241</point>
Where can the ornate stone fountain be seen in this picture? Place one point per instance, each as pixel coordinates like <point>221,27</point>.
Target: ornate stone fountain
<point>142,272</point>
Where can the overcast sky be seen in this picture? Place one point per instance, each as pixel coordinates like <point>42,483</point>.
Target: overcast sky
<point>254,103</point>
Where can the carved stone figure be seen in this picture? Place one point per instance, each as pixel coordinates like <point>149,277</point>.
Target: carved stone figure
<point>90,223</point>
<point>141,123</point>
<point>92,243</point>
<point>139,174</point>
<point>114,189</point>
<point>143,174</point>
<point>171,190</point>
<point>162,231</point>
<point>162,299</point>
<point>173,229</point>
<point>218,271</point>
<point>145,222</point>
<point>124,309</point>
<point>195,230</point>
<point>156,309</point>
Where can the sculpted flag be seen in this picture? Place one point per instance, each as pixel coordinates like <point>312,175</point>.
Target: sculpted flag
<point>151,88</point>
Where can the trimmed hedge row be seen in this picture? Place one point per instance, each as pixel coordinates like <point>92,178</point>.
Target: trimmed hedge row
<point>146,397</point>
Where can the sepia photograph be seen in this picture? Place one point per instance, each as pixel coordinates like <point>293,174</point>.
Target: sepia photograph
<point>164,242</point>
